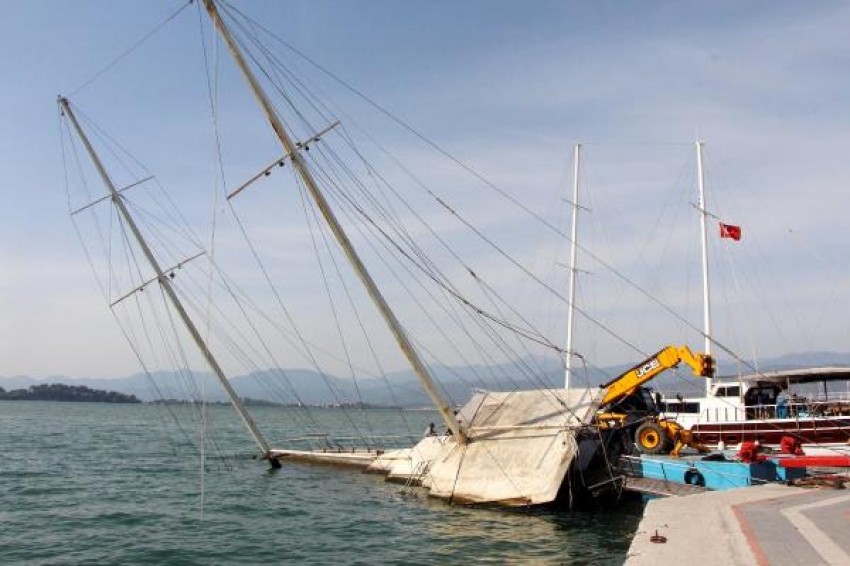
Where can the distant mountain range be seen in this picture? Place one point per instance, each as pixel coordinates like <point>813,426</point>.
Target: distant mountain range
<point>404,390</point>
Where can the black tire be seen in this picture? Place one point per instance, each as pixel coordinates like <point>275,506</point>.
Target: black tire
<point>650,438</point>
<point>694,477</point>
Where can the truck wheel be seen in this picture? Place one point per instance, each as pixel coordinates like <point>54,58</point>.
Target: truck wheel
<point>650,438</point>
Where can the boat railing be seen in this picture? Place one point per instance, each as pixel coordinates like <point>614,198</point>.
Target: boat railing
<point>817,407</point>
<point>792,408</point>
<point>722,414</point>
<point>327,442</point>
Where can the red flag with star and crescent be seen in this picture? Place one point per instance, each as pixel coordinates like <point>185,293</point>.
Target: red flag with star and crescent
<point>730,231</point>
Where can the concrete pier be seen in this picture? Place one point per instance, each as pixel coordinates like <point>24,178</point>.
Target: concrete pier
<point>765,525</point>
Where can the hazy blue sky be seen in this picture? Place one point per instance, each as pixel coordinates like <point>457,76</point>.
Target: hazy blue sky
<point>507,86</point>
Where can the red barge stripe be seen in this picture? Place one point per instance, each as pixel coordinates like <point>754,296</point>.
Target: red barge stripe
<point>823,461</point>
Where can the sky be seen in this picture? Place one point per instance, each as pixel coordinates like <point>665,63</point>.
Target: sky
<point>509,88</point>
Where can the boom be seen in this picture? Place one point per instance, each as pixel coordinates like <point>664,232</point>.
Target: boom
<point>668,358</point>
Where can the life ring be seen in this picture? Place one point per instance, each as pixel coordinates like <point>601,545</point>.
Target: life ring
<point>694,477</point>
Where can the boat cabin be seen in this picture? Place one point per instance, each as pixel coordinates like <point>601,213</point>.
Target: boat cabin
<point>773,395</point>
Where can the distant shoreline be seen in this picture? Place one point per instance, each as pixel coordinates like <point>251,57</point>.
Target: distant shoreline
<point>61,392</point>
<point>250,402</point>
<point>82,394</point>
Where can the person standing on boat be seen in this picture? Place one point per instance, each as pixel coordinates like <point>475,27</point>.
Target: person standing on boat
<point>782,401</point>
<point>459,423</point>
<point>430,431</point>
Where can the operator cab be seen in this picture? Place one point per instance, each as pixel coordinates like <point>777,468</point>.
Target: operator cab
<point>638,405</point>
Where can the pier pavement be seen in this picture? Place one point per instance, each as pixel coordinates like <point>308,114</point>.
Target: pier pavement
<point>765,525</point>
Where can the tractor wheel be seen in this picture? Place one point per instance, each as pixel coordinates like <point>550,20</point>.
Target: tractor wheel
<point>650,438</point>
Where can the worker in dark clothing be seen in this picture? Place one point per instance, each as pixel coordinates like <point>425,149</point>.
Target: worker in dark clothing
<point>431,430</point>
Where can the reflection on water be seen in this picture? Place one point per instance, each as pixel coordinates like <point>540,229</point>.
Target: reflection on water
<point>543,534</point>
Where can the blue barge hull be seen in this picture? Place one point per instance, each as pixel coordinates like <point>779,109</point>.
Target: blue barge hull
<point>710,474</point>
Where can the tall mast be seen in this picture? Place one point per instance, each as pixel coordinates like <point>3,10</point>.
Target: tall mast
<point>573,267</point>
<point>165,282</point>
<point>342,238</point>
<point>706,291</point>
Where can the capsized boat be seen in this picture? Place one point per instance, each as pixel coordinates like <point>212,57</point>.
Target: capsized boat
<point>521,447</point>
<point>513,448</point>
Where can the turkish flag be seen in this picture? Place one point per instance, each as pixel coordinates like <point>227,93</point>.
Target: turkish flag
<point>730,231</point>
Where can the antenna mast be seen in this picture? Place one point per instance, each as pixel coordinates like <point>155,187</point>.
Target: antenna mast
<point>573,256</point>
<point>706,291</point>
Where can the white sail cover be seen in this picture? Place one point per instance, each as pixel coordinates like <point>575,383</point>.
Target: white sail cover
<point>521,446</point>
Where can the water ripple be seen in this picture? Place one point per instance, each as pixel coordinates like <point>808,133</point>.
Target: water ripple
<point>98,484</point>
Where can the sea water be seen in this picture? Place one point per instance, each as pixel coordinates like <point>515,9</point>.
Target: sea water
<point>90,483</point>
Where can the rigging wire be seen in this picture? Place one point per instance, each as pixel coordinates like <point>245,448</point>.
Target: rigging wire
<point>314,226</point>
<point>431,271</point>
<point>134,273</point>
<point>360,94</point>
<point>493,336</point>
<point>360,209</point>
<point>443,203</point>
<point>304,343</point>
<point>221,176</point>
<point>268,76</point>
<point>491,185</point>
<point>212,98</point>
<point>66,140</point>
<point>124,54</point>
<point>125,330</point>
<point>426,264</point>
<point>660,304</point>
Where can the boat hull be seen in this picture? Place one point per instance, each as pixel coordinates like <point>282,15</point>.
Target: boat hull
<point>813,431</point>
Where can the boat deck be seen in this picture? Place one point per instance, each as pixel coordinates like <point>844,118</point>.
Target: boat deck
<point>520,446</point>
<point>770,524</point>
<point>355,458</point>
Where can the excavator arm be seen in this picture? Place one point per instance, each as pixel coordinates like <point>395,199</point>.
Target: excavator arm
<point>651,434</point>
<point>667,358</point>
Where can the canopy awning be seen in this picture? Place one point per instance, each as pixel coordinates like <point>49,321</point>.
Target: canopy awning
<point>801,375</point>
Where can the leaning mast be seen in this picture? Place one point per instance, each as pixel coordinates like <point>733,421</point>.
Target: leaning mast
<point>165,282</point>
<point>339,233</point>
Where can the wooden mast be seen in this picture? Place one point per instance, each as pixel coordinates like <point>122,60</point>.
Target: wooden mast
<point>165,282</point>
<point>342,238</point>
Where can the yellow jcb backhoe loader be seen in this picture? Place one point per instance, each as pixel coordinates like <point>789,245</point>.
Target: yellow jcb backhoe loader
<point>626,403</point>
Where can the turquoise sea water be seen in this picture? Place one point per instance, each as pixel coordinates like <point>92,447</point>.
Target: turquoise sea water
<point>88,483</point>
